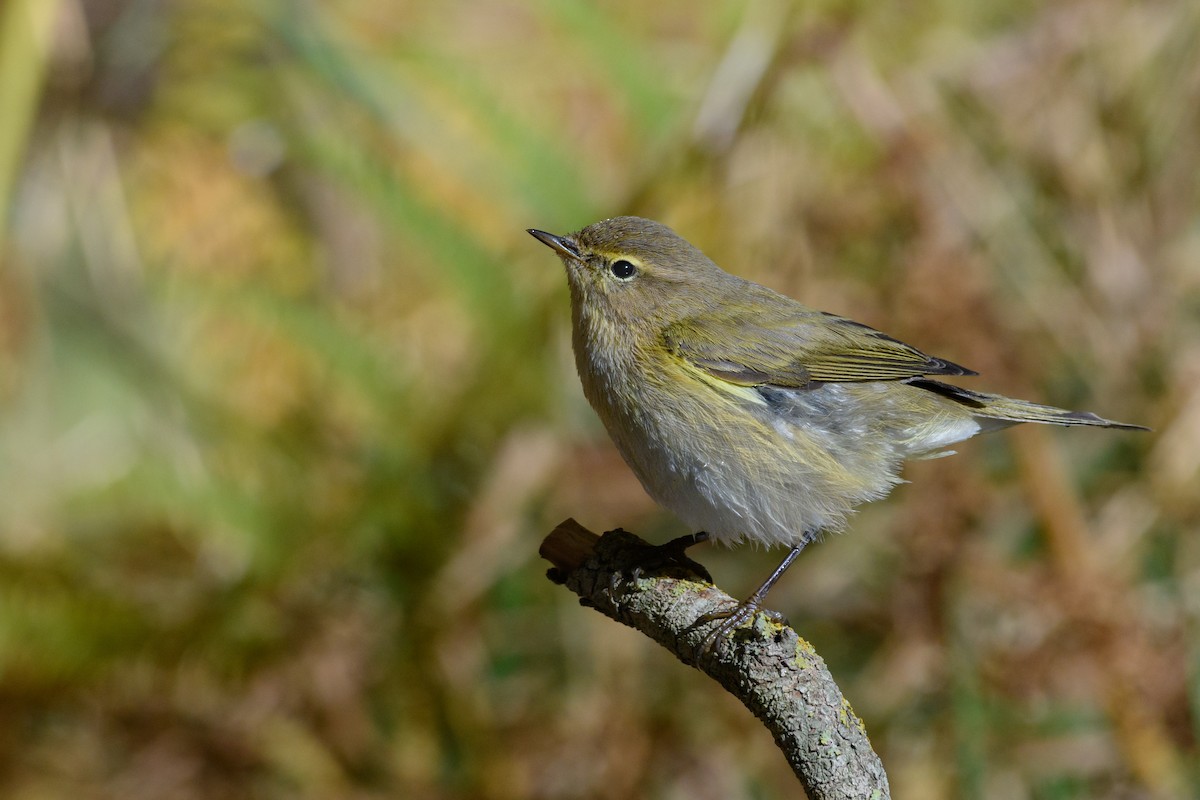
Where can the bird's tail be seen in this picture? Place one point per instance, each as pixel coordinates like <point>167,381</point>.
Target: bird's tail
<point>996,411</point>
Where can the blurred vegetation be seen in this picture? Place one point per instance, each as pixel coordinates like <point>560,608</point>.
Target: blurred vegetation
<point>287,403</point>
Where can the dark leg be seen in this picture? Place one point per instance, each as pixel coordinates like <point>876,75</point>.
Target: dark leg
<point>745,610</point>
<point>682,543</point>
<point>673,554</point>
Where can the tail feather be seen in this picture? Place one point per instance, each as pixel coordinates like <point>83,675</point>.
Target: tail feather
<point>997,411</point>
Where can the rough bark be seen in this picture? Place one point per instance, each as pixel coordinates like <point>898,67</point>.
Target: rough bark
<point>765,664</point>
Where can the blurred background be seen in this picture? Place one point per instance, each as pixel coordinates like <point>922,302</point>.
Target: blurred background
<point>287,402</point>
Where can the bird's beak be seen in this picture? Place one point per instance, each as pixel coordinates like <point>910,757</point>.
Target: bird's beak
<point>562,245</point>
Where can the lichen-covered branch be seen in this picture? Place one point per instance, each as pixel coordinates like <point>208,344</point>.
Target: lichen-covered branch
<point>775,673</point>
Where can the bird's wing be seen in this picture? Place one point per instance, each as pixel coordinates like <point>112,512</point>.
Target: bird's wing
<point>795,348</point>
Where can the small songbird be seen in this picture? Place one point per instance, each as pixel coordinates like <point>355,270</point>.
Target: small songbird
<point>749,415</point>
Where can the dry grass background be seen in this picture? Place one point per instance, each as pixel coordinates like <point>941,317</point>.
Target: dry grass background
<point>286,399</point>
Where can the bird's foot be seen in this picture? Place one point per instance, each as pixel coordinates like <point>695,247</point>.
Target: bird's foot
<point>670,559</point>
<point>673,554</point>
<point>733,618</point>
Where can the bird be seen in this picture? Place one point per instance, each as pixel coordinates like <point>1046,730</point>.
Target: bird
<point>749,415</point>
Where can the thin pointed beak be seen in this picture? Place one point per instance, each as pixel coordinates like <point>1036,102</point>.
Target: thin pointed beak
<point>559,244</point>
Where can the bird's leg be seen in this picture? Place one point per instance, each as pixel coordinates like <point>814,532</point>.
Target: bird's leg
<point>682,543</point>
<point>738,615</point>
<point>672,554</point>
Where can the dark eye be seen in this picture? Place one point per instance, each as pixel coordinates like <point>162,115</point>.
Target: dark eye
<point>622,269</point>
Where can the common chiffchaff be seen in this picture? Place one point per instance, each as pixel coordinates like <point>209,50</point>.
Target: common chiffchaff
<point>750,415</point>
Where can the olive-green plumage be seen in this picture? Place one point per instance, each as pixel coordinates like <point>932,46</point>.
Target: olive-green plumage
<point>750,415</point>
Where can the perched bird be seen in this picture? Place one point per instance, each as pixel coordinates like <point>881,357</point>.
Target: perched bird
<point>747,414</point>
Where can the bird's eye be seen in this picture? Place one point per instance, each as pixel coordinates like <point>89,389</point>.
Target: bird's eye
<point>622,269</point>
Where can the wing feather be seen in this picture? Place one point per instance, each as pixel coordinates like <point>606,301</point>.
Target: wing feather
<point>792,346</point>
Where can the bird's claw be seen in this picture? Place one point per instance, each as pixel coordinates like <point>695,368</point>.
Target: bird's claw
<point>668,559</point>
<point>733,618</point>
<point>671,557</point>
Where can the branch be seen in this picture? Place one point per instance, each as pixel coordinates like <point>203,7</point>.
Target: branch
<point>775,673</point>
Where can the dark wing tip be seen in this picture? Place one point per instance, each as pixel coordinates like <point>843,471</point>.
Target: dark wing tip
<point>943,367</point>
<point>956,393</point>
<point>932,366</point>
